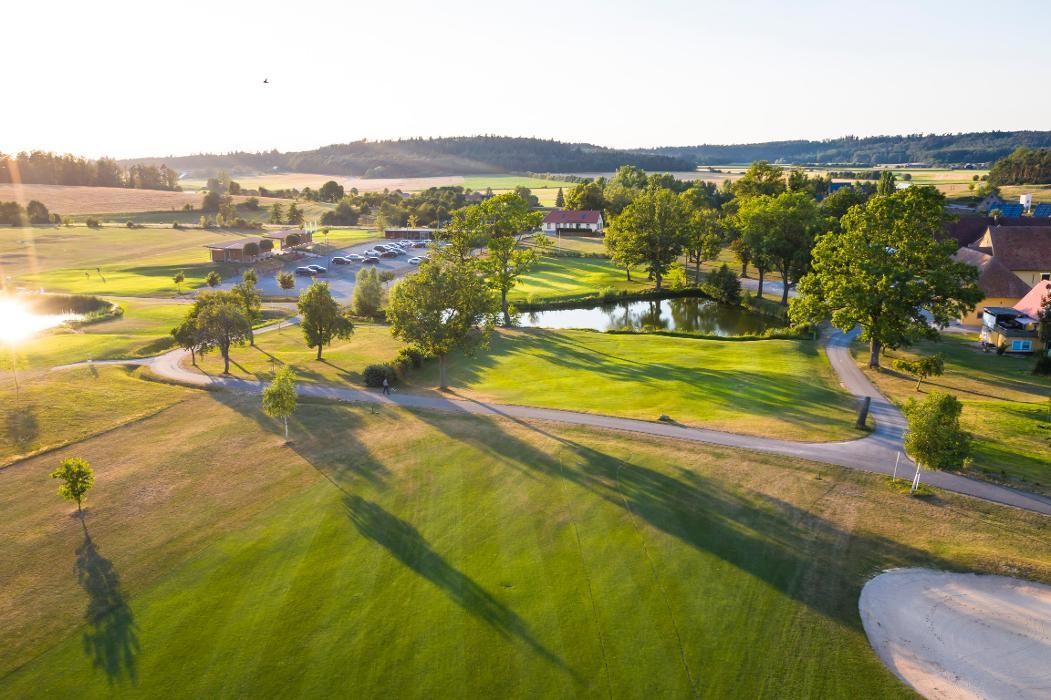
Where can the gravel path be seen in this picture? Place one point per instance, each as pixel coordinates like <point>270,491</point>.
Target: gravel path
<point>875,452</point>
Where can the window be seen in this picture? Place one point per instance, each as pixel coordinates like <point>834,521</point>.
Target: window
<point>1021,346</point>
<point>1045,276</point>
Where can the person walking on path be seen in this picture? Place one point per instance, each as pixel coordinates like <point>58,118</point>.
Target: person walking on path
<point>386,387</point>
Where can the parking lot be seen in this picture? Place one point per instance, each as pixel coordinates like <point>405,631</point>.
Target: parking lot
<point>339,277</point>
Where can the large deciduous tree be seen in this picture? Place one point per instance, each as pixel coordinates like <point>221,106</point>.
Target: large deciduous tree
<point>653,230</point>
<point>443,307</point>
<point>705,235</point>
<point>890,272</point>
<point>761,178</point>
<point>585,196</point>
<point>323,320</point>
<point>506,217</point>
<point>780,232</point>
<point>221,324</point>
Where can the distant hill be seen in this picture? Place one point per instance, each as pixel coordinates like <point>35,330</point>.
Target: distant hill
<point>935,149</point>
<point>427,157</point>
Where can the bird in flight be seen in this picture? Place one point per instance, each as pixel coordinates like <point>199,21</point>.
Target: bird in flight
<point>266,81</point>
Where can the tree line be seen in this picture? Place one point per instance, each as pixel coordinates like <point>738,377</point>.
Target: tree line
<point>1024,166</point>
<point>46,168</point>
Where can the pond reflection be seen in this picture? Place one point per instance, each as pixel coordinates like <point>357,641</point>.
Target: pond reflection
<point>690,315</point>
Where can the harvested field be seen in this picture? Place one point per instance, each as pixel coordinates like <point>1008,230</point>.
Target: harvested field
<point>300,180</point>
<point>97,200</point>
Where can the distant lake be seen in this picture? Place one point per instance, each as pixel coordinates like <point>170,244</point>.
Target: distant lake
<point>688,314</point>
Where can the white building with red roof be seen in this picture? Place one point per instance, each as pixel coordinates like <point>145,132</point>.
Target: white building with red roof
<point>573,223</point>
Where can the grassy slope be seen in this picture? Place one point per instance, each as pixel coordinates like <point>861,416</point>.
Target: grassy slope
<point>1006,407</point>
<point>565,279</point>
<point>55,408</point>
<point>113,261</point>
<point>771,387</point>
<point>399,554</point>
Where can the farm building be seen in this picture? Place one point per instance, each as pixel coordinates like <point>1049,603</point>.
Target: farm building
<point>242,250</point>
<point>573,223</point>
<point>1010,329</point>
<point>1032,303</point>
<point>290,237</point>
<point>1025,251</point>
<point>409,234</point>
<point>1000,286</point>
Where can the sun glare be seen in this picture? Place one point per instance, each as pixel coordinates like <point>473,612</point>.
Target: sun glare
<point>17,323</point>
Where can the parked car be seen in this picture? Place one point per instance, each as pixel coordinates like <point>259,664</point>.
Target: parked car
<point>371,253</point>
<point>371,260</point>
<point>340,260</point>
<point>305,271</point>
<point>318,270</point>
<point>388,254</point>
<point>397,250</point>
<point>354,257</point>
<point>405,243</point>
<point>380,247</point>
<point>415,260</point>
<point>420,244</point>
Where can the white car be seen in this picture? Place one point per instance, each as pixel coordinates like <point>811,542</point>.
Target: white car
<point>415,260</point>
<point>354,257</point>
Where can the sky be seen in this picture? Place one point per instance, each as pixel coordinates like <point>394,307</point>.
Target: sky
<point>145,78</point>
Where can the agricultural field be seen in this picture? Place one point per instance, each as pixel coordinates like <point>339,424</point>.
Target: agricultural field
<point>69,200</point>
<point>774,388</point>
<point>405,184</point>
<point>459,556</point>
<point>1006,407</point>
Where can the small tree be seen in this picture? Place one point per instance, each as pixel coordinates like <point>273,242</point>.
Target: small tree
<point>277,213</point>
<point>560,198</point>
<point>250,276</point>
<point>368,293</point>
<point>723,286</point>
<point>251,303</point>
<point>213,279</point>
<point>77,478</point>
<point>178,278</point>
<point>279,398</point>
<point>934,437</point>
<point>444,306</point>
<point>929,366</point>
<point>266,245</point>
<point>295,215</point>
<point>286,280</point>
<point>187,335</point>
<point>323,320</point>
<point>13,361</point>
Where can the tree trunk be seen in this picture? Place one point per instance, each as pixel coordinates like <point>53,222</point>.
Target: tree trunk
<point>762,274</point>
<point>874,348</point>
<point>697,272</point>
<point>319,346</point>
<point>657,280</point>
<point>441,373</point>
<point>784,287</point>
<point>286,428</point>
<point>193,356</point>
<point>918,382</point>
<point>744,268</point>
<point>251,337</point>
<point>628,270</point>
<point>226,361</point>
<point>503,307</point>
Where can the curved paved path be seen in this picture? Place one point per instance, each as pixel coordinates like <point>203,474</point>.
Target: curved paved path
<point>876,452</point>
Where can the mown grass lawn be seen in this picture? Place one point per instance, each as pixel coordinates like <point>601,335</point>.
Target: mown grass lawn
<point>108,261</point>
<point>1006,407</point>
<point>408,554</point>
<point>556,278</point>
<point>777,388</point>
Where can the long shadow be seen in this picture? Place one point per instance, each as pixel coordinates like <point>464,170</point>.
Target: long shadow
<point>21,426</point>
<point>798,552</point>
<point>409,547</point>
<point>111,640</point>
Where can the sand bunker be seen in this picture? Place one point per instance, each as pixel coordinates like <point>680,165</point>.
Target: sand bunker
<point>961,635</point>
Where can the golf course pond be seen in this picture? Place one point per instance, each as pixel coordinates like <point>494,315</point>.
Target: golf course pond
<point>684,314</point>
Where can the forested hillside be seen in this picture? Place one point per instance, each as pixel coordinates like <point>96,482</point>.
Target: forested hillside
<point>1026,166</point>
<point>428,157</point>
<point>936,149</point>
<point>45,168</point>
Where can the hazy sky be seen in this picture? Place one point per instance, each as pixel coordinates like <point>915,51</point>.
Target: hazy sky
<point>149,78</point>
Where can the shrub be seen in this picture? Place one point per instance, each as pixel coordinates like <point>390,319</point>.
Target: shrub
<point>386,275</point>
<point>375,374</point>
<point>177,226</point>
<point>1043,365</point>
<point>91,223</point>
<point>129,223</point>
<point>410,357</point>
<point>723,286</point>
<point>368,295</point>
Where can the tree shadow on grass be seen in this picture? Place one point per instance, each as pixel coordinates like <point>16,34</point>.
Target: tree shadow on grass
<point>111,640</point>
<point>410,548</point>
<point>21,426</point>
<point>793,549</point>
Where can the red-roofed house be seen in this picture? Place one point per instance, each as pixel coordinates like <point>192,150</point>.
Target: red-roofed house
<point>1033,302</point>
<point>573,223</point>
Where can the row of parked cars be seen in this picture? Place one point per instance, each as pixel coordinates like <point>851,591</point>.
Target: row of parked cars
<point>371,257</point>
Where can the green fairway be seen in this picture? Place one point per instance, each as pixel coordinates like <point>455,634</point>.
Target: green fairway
<point>400,554</point>
<point>1006,407</point>
<point>108,261</point>
<point>776,388</point>
<point>566,279</point>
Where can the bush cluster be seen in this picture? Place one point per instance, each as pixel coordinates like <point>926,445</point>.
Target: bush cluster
<point>373,375</point>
